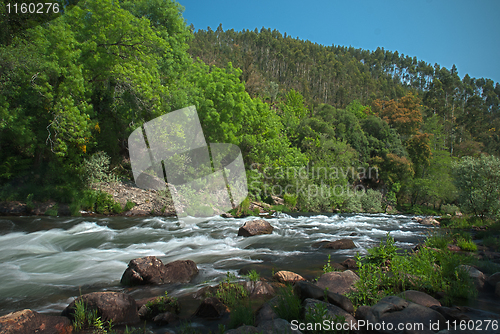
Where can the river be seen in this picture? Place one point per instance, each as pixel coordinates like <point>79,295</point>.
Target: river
<point>47,261</point>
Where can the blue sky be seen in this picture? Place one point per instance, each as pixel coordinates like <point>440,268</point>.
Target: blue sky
<point>464,33</point>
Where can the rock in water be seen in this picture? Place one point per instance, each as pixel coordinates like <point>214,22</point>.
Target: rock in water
<point>255,227</point>
<point>146,270</point>
<point>150,270</point>
<point>340,244</point>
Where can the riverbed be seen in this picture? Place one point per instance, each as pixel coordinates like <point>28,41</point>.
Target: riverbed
<point>47,261</point>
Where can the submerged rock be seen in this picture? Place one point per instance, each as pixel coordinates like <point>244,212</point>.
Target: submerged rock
<point>255,227</point>
<point>340,244</point>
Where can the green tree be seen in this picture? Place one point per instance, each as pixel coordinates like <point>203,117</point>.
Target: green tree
<point>478,184</point>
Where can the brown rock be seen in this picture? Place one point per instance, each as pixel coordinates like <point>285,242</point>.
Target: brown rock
<point>145,270</point>
<point>259,288</point>
<point>284,276</point>
<point>349,263</point>
<point>338,282</point>
<point>340,244</point>
<point>305,290</point>
<point>180,271</point>
<point>150,270</point>
<point>420,298</point>
<point>116,306</point>
<point>453,248</point>
<point>477,276</point>
<point>211,308</point>
<point>255,227</point>
<point>28,322</point>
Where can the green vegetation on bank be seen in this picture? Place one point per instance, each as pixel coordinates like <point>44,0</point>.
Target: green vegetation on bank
<point>325,128</point>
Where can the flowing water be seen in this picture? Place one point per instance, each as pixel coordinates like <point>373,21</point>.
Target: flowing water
<point>47,261</point>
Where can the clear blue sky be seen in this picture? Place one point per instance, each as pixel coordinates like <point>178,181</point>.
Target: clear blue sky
<point>461,32</point>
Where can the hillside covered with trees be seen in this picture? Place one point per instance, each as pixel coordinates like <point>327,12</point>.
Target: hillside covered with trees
<point>325,127</point>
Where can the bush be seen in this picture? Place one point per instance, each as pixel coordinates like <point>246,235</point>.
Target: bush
<point>96,169</point>
<point>466,245</point>
<point>371,201</point>
<point>352,204</point>
<point>290,200</point>
<point>450,209</point>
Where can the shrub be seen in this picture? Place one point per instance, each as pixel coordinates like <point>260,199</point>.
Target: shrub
<point>371,201</point>
<point>450,209</point>
<point>290,200</point>
<point>96,169</point>
<point>352,204</point>
<point>253,276</point>
<point>385,251</point>
<point>466,245</point>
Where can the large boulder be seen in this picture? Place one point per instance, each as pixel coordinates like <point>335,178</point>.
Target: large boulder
<point>180,271</point>
<point>211,308</point>
<point>255,227</point>
<point>28,322</point>
<point>477,276</point>
<point>338,282</point>
<point>258,288</point>
<point>332,312</point>
<point>420,298</point>
<point>150,270</point>
<point>494,279</point>
<point>116,306</point>
<point>305,290</point>
<point>391,314</point>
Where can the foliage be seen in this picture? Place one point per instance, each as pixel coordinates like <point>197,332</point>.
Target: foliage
<point>384,252</point>
<point>96,169</point>
<point>371,201</point>
<point>85,318</point>
<point>253,276</point>
<point>290,200</point>
<point>466,245</point>
<point>229,292</point>
<point>288,305</point>
<point>478,184</point>
<point>241,314</point>
<point>161,304</point>
<point>318,314</point>
<point>425,270</point>
<point>327,268</point>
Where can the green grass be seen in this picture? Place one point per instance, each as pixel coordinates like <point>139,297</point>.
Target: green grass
<point>289,306</point>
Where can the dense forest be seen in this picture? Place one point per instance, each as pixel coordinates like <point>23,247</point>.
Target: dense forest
<point>325,127</point>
